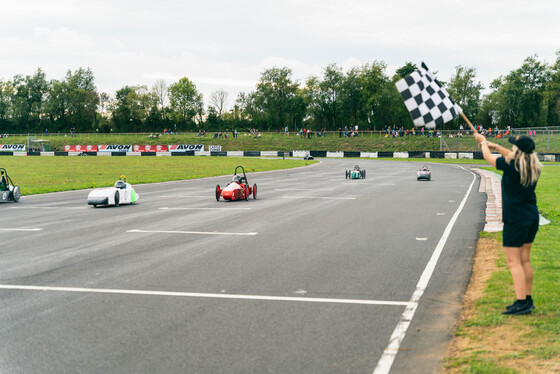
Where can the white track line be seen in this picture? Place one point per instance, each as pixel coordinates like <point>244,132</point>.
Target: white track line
<point>226,208</point>
<point>304,189</point>
<point>50,207</point>
<point>388,357</point>
<point>194,232</point>
<point>20,229</point>
<point>173,189</point>
<point>175,196</point>
<point>204,295</point>
<point>319,197</point>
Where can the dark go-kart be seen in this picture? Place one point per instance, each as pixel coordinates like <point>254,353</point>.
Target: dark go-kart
<point>238,188</point>
<point>8,190</point>
<point>356,173</point>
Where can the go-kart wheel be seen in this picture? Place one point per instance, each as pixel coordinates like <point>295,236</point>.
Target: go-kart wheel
<point>95,205</point>
<point>117,198</point>
<point>254,191</point>
<point>246,192</point>
<point>16,194</point>
<point>364,174</point>
<point>347,174</point>
<point>218,192</point>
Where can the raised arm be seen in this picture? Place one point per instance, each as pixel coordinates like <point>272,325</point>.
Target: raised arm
<point>484,146</point>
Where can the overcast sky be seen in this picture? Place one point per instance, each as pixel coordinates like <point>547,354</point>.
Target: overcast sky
<point>227,44</point>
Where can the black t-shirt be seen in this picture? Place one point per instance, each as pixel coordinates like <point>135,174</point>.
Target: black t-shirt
<point>519,204</point>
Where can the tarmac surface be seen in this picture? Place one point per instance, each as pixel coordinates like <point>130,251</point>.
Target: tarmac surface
<point>319,274</point>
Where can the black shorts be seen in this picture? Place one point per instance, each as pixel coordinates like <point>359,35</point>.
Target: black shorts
<point>515,235</point>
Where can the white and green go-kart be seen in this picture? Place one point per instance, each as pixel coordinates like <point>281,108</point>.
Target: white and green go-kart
<point>121,193</point>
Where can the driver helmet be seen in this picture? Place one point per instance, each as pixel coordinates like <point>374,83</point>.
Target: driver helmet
<point>356,167</point>
<point>236,179</point>
<point>425,168</point>
<point>120,184</point>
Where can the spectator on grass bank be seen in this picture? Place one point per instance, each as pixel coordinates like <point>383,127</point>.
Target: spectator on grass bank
<point>521,170</point>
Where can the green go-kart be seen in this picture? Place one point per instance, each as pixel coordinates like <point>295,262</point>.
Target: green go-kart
<point>356,173</point>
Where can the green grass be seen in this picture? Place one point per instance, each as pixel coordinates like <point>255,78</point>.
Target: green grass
<point>543,325</point>
<point>51,174</point>
<point>367,142</point>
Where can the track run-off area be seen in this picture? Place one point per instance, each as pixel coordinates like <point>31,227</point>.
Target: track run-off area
<point>319,274</point>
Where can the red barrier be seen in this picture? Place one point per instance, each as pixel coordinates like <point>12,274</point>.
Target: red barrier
<point>150,148</point>
<point>80,148</point>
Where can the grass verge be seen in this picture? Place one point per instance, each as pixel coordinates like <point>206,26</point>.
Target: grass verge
<point>488,342</point>
<point>35,175</point>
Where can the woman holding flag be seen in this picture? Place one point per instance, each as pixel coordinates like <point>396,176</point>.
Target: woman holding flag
<point>429,105</point>
<point>521,170</point>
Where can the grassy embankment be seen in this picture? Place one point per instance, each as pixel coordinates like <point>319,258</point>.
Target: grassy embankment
<point>367,142</point>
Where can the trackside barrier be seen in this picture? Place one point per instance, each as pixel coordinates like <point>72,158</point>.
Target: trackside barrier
<point>335,154</point>
<point>416,154</point>
<point>186,153</point>
<point>318,153</point>
<point>368,154</point>
<point>385,154</point>
<point>545,157</point>
<point>270,154</point>
<point>250,154</point>
<point>400,154</point>
<point>233,153</point>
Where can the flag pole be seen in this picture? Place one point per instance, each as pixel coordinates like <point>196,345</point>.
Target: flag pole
<point>468,122</point>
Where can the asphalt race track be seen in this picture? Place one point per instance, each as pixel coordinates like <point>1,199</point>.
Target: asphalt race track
<point>319,274</point>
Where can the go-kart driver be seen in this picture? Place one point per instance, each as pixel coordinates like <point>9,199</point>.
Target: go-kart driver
<point>237,179</point>
<point>3,182</point>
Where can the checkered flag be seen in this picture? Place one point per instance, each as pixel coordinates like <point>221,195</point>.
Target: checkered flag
<point>427,101</point>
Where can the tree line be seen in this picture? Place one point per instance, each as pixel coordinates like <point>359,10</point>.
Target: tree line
<point>364,96</point>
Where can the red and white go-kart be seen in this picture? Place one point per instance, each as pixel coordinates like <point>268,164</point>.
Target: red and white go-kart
<point>237,189</point>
